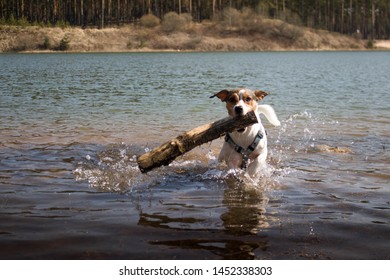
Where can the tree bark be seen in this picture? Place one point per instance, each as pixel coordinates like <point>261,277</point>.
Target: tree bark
<point>102,15</point>
<point>167,152</point>
<point>372,19</point>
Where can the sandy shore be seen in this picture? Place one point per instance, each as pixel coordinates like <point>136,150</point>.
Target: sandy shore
<point>383,44</point>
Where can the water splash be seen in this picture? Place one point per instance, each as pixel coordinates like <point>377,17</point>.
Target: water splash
<point>302,133</point>
<point>115,169</point>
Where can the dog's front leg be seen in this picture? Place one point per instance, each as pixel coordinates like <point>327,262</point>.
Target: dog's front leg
<point>231,157</point>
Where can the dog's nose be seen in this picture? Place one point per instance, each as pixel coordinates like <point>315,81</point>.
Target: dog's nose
<point>239,110</point>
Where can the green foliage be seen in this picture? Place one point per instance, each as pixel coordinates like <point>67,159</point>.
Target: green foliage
<point>46,44</point>
<point>62,24</point>
<point>40,24</point>
<point>370,44</point>
<point>64,43</point>
<point>23,22</point>
<point>12,20</point>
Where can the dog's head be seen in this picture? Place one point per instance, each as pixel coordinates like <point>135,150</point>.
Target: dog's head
<point>240,101</point>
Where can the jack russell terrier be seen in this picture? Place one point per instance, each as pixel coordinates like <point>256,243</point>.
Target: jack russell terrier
<point>246,148</point>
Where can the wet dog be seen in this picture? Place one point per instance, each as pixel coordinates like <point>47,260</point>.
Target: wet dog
<point>246,148</point>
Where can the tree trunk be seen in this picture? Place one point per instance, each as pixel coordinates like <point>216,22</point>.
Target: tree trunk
<point>109,12</point>
<point>82,12</point>
<point>372,19</point>
<point>342,17</point>
<point>276,15</point>
<point>167,152</point>
<point>102,15</point>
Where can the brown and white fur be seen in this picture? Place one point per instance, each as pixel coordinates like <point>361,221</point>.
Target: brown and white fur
<point>240,102</point>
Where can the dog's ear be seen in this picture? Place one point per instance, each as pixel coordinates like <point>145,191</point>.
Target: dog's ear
<point>223,94</point>
<point>260,94</point>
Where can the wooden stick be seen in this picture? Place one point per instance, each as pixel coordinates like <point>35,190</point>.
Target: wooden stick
<point>167,152</point>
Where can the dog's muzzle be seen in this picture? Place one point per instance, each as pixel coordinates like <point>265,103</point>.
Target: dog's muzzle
<point>238,110</point>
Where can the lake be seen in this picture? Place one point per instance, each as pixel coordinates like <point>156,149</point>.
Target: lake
<point>72,126</point>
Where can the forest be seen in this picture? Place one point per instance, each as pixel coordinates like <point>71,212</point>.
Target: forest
<point>366,19</point>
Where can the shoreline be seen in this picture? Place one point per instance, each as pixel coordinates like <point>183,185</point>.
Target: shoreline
<point>196,38</point>
<point>189,51</point>
<point>376,49</point>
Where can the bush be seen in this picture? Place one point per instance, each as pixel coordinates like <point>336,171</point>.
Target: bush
<point>192,43</point>
<point>172,22</point>
<point>23,22</point>
<point>46,43</point>
<point>287,31</point>
<point>149,21</point>
<point>64,43</point>
<point>370,44</point>
<point>12,20</point>
<point>139,40</point>
<point>243,22</point>
<point>233,17</point>
<point>24,41</point>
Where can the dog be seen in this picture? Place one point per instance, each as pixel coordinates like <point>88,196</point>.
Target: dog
<point>246,148</point>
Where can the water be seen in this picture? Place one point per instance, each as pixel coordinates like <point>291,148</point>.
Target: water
<point>73,124</point>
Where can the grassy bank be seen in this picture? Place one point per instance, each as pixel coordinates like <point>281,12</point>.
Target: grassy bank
<point>177,33</point>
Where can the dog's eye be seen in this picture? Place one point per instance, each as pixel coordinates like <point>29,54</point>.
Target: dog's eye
<point>233,99</point>
<point>248,99</point>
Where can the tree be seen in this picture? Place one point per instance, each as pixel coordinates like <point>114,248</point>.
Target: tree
<point>368,18</point>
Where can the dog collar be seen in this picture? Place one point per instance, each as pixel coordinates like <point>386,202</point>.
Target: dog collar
<point>244,152</point>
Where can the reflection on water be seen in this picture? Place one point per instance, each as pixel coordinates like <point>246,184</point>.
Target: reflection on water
<point>246,209</point>
<point>224,249</point>
<point>242,213</point>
